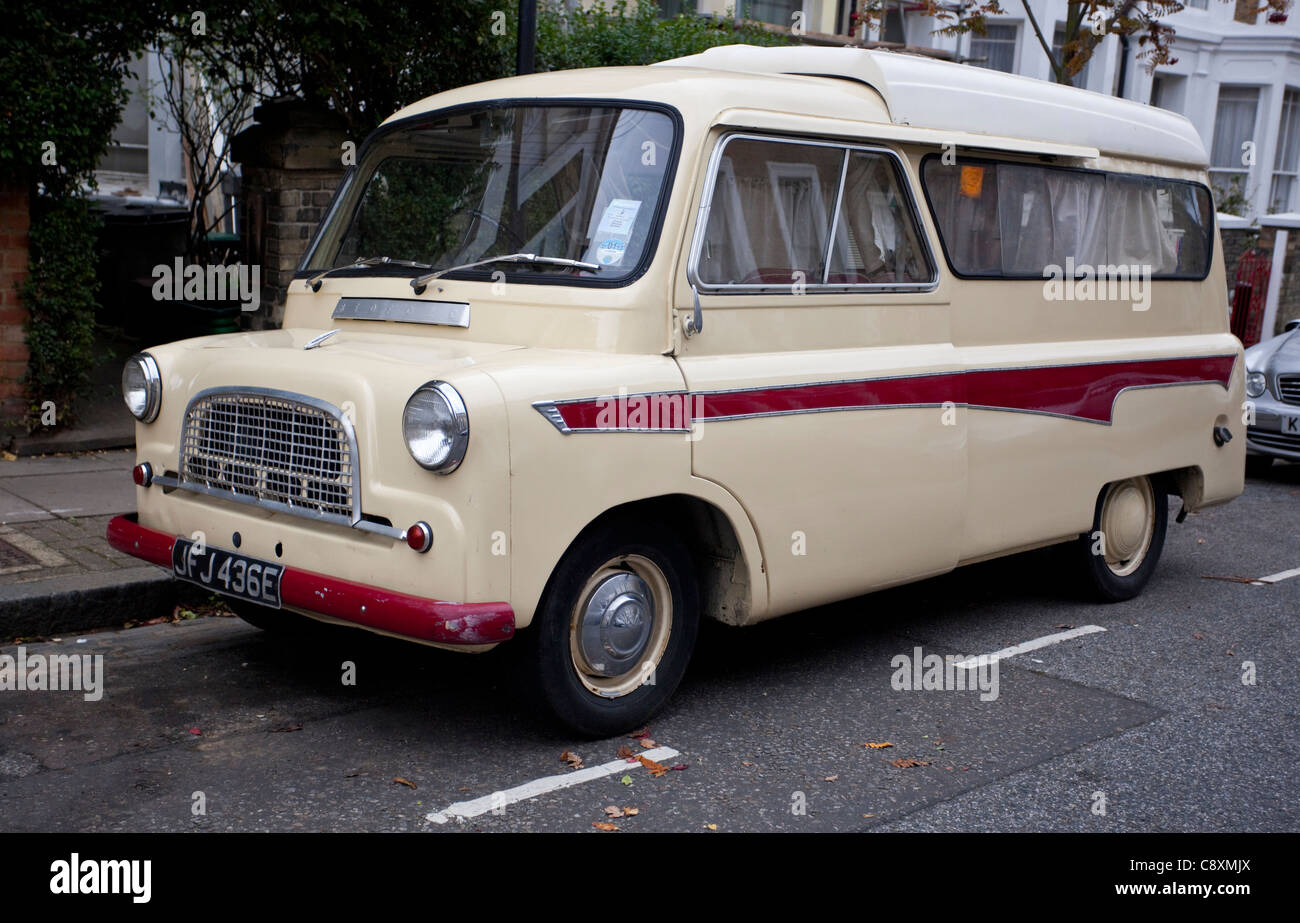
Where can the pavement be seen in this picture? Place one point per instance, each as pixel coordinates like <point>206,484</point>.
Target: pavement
<point>57,571</point>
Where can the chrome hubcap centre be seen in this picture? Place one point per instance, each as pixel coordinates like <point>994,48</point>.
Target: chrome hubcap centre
<point>615,624</point>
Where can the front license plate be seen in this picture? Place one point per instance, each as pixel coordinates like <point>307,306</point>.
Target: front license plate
<point>228,572</point>
<point>1290,426</point>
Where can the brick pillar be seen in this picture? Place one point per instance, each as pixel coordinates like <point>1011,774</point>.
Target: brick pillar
<point>14,223</point>
<point>291,162</point>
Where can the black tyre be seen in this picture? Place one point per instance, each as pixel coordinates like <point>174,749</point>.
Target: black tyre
<point>615,630</point>
<point>1120,553</point>
<point>275,621</point>
<point>1257,466</point>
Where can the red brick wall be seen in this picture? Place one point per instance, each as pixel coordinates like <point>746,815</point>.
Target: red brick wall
<point>13,270</point>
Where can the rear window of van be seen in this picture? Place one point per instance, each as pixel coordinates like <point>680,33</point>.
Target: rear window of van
<point>1018,220</point>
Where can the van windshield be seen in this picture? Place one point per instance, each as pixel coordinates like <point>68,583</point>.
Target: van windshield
<point>577,183</point>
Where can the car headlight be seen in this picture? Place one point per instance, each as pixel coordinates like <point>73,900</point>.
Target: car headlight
<point>435,425</point>
<point>1256,384</point>
<point>142,387</point>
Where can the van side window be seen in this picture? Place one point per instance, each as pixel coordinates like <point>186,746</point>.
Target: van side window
<point>876,238</point>
<point>1013,220</point>
<point>785,213</point>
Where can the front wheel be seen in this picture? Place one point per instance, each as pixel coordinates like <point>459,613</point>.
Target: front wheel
<point>1120,553</point>
<point>615,629</point>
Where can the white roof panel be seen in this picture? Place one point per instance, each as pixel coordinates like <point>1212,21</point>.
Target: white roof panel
<point>928,93</point>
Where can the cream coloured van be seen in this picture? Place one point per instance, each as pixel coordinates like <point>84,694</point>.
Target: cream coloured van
<point>577,358</point>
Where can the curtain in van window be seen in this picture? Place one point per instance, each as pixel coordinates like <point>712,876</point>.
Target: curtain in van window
<point>1137,230</point>
<point>876,238</point>
<point>770,213</point>
<point>1047,217</point>
<point>964,200</point>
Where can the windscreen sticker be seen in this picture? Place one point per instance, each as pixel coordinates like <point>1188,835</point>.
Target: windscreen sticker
<point>615,230</point>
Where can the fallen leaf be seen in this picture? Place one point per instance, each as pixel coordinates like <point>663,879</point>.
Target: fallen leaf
<point>680,766</point>
<point>648,744</point>
<point>712,826</point>
<point>613,811</point>
<point>1064,626</point>
<point>1198,636</point>
<point>195,731</point>
<point>878,746</point>
<point>351,775</point>
<point>830,778</point>
<point>868,815</point>
<point>287,727</point>
<point>626,780</point>
<point>1200,541</point>
<point>656,769</point>
<point>407,782</point>
<point>600,826</point>
<point>625,752</point>
<point>909,763</point>
<point>572,759</point>
<point>631,812</point>
<point>644,732</point>
<point>1216,705</point>
<point>1231,578</point>
<point>746,763</point>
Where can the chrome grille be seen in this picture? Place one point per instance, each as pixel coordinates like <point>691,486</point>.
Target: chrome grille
<point>1270,440</point>
<point>284,451</point>
<point>1288,388</point>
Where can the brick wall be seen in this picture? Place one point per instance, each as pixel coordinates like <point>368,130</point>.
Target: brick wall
<point>14,223</point>
<point>1236,241</point>
<point>291,163</point>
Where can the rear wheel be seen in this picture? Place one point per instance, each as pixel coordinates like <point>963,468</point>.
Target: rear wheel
<point>615,631</point>
<point>275,621</point>
<point>1257,466</point>
<point>1120,553</point>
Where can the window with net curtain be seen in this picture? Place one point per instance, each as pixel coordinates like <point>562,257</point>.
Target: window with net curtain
<point>1234,125</point>
<point>773,210</point>
<point>996,48</point>
<point>1286,161</point>
<point>1004,220</point>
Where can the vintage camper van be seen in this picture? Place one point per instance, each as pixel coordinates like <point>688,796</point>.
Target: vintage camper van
<point>577,359</point>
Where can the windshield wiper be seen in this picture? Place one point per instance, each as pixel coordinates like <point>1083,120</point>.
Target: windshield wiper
<point>419,283</point>
<point>314,283</point>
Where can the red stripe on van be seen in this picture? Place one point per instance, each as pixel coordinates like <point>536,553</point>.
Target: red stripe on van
<point>1084,392</point>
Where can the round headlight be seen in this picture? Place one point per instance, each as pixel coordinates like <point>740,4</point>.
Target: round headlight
<point>1255,384</point>
<point>435,425</point>
<point>142,387</point>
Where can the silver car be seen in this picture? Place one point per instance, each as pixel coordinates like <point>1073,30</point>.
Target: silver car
<point>1273,386</point>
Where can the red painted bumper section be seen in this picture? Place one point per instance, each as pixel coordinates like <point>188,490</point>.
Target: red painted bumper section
<point>370,606</point>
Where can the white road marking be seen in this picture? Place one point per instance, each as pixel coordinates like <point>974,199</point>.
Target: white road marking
<point>463,810</point>
<point>1278,577</point>
<point>971,663</point>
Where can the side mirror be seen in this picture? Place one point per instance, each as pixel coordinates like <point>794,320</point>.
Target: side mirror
<point>1291,325</point>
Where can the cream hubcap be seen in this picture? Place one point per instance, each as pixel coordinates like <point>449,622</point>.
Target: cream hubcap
<point>1128,518</point>
<point>619,627</point>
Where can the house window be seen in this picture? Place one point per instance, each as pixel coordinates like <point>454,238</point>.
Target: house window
<point>1287,160</point>
<point>1199,4</point>
<point>1234,125</point>
<point>1058,39</point>
<point>1168,91</point>
<point>996,48</point>
<point>775,12</point>
<point>129,151</point>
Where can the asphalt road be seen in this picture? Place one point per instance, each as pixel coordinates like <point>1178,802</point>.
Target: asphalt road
<point>1149,720</point>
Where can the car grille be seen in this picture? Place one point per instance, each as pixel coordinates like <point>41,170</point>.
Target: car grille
<point>1288,388</point>
<point>284,451</point>
<point>1270,440</point>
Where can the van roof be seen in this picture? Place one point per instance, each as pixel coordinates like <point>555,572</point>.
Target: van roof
<point>920,98</point>
<point>928,93</point>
